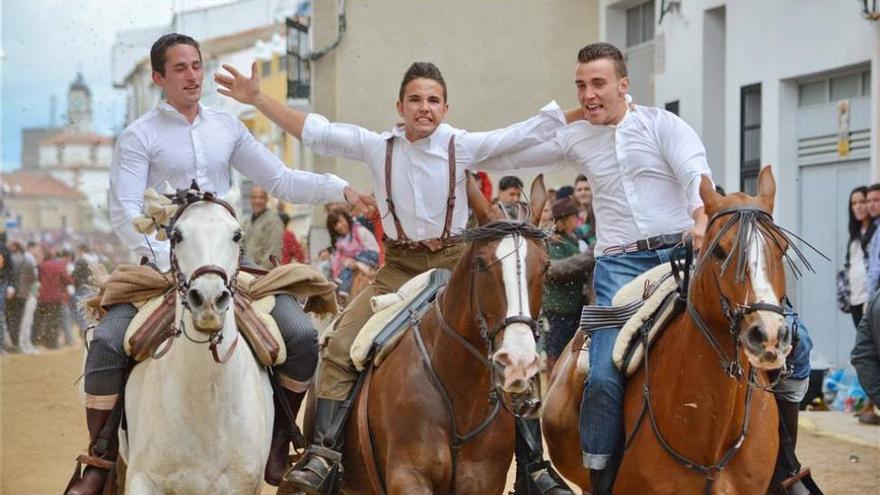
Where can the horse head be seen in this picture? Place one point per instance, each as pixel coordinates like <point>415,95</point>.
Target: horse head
<point>507,263</point>
<point>740,277</point>
<point>205,255</point>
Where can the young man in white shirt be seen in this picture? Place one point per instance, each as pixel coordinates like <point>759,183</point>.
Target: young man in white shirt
<point>177,142</point>
<point>644,165</point>
<point>418,174</point>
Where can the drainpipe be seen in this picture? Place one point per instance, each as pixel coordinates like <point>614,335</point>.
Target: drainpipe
<point>315,55</point>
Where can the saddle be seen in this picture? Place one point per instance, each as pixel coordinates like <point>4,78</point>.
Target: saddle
<point>395,313</point>
<point>651,300</point>
<point>154,295</point>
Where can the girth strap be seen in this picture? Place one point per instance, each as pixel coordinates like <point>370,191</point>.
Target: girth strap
<point>450,202</point>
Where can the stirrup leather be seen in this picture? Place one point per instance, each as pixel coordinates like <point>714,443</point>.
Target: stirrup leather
<point>87,460</point>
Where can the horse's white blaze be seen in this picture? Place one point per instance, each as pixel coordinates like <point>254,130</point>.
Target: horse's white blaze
<point>519,343</point>
<point>763,289</point>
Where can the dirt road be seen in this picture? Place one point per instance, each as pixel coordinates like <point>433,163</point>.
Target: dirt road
<point>43,430</point>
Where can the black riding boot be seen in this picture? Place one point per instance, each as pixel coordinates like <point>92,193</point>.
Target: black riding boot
<point>600,481</point>
<point>282,435</point>
<point>534,475</point>
<point>310,474</point>
<point>788,477</point>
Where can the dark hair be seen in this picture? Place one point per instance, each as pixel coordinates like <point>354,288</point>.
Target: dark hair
<point>855,226</point>
<point>581,178</point>
<point>166,41</point>
<point>422,70</point>
<point>874,187</point>
<point>564,192</point>
<point>509,181</point>
<point>285,218</point>
<point>595,51</point>
<point>332,217</point>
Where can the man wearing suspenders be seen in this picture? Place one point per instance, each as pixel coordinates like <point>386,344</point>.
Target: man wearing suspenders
<point>407,166</point>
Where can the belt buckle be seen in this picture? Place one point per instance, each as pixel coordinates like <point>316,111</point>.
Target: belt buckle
<point>650,242</point>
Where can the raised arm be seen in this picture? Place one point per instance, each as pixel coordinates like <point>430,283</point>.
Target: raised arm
<point>128,181</point>
<point>546,157</point>
<point>247,90</point>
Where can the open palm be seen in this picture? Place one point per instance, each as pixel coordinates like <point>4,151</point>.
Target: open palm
<point>238,86</point>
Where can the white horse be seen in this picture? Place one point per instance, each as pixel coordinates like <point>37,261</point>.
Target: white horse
<point>196,425</point>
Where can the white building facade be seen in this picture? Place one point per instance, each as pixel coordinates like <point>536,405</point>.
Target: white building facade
<point>790,83</point>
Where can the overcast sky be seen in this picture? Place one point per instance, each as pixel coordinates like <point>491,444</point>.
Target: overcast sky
<point>45,43</point>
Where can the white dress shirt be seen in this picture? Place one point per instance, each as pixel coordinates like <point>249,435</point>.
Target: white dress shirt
<point>162,146</point>
<point>645,172</point>
<point>420,171</point>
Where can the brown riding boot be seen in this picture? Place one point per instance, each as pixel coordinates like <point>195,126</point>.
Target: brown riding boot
<point>93,478</point>
<point>279,453</point>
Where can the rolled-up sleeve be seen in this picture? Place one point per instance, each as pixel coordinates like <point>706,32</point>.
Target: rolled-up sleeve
<point>478,146</point>
<point>257,163</point>
<point>129,171</point>
<point>685,153</point>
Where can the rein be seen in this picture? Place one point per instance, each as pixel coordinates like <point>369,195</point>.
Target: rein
<point>519,407</point>
<point>187,198</point>
<point>753,220</point>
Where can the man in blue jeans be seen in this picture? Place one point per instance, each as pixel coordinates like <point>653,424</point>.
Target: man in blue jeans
<point>645,166</point>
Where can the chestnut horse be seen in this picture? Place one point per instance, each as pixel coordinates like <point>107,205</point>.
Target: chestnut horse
<point>697,415</point>
<point>437,411</point>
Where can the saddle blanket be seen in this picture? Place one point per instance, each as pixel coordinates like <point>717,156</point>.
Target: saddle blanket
<point>648,299</point>
<point>414,298</point>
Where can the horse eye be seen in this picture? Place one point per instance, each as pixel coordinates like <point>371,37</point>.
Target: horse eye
<point>719,253</point>
<point>236,236</point>
<point>176,236</point>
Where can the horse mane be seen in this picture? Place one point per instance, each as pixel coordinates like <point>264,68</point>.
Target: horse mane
<point>756,221</point>
<point>499,229</point>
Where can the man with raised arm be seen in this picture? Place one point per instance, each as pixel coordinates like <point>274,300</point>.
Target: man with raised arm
<point>644,165</point>
<point>418,172</point>
<point>178,142</point>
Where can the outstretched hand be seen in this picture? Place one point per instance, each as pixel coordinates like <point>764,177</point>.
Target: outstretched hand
<point>363,203</point>
<point>238,86</point>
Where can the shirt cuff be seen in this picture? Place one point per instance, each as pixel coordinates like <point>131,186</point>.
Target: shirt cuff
<point>313,127</point>
<point>334,188</point>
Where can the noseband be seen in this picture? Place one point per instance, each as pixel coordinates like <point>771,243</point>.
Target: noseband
<point>187,198</point>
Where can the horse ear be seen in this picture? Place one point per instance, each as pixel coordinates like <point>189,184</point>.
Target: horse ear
<point>537,198</point>
<point>708,194</point>
<point>767,187</point>
<point>233,197</point>
<point>481,207</point>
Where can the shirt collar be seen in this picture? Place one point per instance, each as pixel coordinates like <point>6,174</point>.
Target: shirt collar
<point>400,132</point>
<point>166,107</point>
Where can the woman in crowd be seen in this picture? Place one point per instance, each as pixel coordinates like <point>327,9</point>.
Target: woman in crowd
<point>354,250</point>
<point>860,232</point>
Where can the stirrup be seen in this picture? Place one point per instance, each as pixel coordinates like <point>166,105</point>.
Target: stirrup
<point>801,483</point>
<point>541,479</point>
<point>329,475</point>
<point>86,460</point>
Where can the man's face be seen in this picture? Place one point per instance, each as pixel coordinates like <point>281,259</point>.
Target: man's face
<point>510,195</point>
<point>583,193</point>
<point>601,93</point>
<point>874,204</point>
<point>423,108</point>
<point>182,82</point>
<point>259,200</point>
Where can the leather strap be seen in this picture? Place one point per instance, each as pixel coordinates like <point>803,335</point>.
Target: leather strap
<point>450,201</point>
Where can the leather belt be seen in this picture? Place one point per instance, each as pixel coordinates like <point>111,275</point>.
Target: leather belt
<point>655,242</point>
<point>424,246</point>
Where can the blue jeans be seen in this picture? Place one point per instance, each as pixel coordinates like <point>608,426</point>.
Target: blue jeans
<point>346,276</point>
<point>602,405</point>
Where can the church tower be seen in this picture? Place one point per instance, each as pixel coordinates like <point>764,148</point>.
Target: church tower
<point>79,106</point>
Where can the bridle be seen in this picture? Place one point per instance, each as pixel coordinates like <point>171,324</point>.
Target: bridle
<point>753,220</point>
<point>186,198</point>
<point>521,405</point>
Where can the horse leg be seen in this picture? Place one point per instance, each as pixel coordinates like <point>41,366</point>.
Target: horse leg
<point>140,484</point>
<point>408,481</point>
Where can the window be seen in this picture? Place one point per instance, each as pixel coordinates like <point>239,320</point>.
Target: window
<point>813,93</point>
<point>298,71</point>
<point>845,87</point>
<point>672,106</point>
<point>750,138</point>
<point>266,68</point>
<point>282,63</point>
<point>640,24</point>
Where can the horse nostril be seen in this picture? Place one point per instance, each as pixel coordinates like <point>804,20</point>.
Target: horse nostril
<point>194,298</point>
<point>502,358</point>
<point>770,356</point>
<point>756,335</point>
<point>223,301</point>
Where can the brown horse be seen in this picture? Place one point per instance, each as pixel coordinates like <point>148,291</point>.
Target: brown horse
<point>435,418</point>
<point>707,424</point>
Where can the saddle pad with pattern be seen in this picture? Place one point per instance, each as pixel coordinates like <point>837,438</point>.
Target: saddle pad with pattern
<point>396,312</point>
